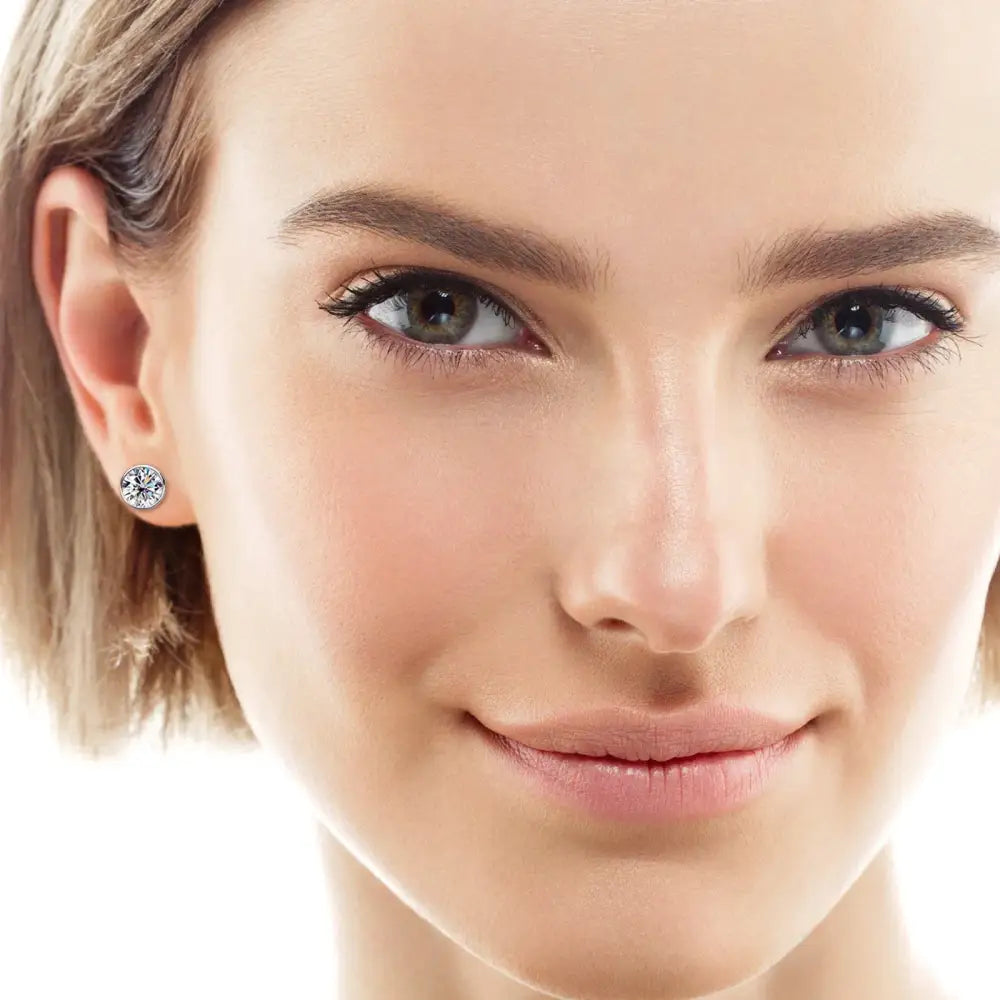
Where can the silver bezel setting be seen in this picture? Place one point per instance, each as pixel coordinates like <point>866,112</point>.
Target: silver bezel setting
<point>143,487</point>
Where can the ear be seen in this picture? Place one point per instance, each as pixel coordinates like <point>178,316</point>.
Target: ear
<point>102,337</point>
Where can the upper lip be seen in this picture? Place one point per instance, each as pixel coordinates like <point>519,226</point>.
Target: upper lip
<point>634,734</point>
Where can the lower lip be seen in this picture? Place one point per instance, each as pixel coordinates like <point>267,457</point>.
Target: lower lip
<point>694,787</point>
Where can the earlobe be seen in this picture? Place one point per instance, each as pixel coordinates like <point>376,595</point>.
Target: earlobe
<point>99,329</point>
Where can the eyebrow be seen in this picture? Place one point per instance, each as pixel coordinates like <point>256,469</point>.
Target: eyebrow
<point>799,255</point>
<point>426,220</point>
<point>813,254</point>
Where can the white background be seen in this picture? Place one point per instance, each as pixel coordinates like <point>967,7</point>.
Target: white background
<point>195,875</point>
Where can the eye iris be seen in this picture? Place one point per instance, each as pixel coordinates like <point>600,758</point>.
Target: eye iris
<point>854,323</point>
<point>434,314</point>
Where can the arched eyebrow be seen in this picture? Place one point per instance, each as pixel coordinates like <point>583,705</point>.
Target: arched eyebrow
<point>816,254</point>
<point>426,220</point>
<point>797,256</point>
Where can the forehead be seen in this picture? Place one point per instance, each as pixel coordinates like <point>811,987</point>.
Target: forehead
<point>699,122</point>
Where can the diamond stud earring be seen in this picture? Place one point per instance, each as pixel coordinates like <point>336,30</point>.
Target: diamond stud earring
<point>142,487</point>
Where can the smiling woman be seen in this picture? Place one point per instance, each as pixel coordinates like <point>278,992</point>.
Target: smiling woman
<point>581,452</point>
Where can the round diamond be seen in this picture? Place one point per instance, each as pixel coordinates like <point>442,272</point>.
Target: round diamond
<point>143,487</point>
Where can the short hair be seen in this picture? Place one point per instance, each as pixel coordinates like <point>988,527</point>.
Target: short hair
<point>110,617</point>
<point>107,615</point>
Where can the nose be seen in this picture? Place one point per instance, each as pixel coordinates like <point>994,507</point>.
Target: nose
<point>668,529</point>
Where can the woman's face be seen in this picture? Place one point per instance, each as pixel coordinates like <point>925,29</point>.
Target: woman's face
<point>642,500</point>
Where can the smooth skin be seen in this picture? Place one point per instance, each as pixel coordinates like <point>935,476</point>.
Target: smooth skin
<point>650,511</point>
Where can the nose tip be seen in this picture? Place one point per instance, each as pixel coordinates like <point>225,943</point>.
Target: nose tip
<point>669,610</point>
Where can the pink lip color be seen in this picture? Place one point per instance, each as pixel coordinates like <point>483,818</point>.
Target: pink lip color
<point>686,788</point>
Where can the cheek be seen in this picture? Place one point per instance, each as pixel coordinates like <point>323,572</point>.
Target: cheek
<point>359,532</point>
<point>885,552</point>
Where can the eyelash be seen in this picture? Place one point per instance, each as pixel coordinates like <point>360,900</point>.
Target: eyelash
<point>390,344</point>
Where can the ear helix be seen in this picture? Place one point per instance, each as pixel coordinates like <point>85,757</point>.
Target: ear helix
<point>143,487</point>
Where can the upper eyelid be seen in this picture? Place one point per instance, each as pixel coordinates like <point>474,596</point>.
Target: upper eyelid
<point>825,300</point>
<point>787,325</point>
<point>472,285</point>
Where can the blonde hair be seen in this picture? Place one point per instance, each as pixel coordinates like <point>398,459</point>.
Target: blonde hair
<point>109,616</point>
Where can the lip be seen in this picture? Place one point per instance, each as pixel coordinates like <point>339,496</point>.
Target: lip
<point>636,735</point>
<point>695,763</point>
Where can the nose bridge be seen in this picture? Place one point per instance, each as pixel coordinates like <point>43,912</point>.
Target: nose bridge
<point>670,540</point>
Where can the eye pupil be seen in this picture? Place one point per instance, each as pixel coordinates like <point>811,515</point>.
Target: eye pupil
<point>433,305</point>
<point>847,323</point>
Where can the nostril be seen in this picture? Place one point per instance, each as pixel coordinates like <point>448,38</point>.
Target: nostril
<point>614,623</point>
